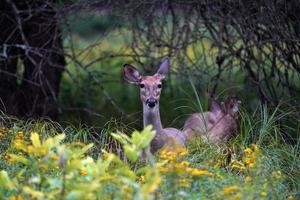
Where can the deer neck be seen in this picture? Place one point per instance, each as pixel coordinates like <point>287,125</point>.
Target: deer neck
<point>152,117</point>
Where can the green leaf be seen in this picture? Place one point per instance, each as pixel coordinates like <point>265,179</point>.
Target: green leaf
<point>5,181</point>
<point>131,152</point>
<point>121,137</point>
<point>35,139</point>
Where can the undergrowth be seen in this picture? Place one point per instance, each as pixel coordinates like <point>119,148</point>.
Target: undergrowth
<point>43,160</point>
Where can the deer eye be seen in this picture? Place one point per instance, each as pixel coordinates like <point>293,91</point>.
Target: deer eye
<point>142,85</point>
<point>159,85</point>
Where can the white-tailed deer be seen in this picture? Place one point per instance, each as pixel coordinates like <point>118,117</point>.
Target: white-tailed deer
<point>217,125</point>
<point>150,90</point>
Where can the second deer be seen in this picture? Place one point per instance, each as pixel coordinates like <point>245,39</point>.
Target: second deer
<point>217,125</point>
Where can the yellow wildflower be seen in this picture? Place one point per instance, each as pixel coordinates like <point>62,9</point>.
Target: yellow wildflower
<point>277,174</point>
<point>54,157</point>
<point>155,184</point>
<point>162,170</point>
<point>19,144</point>
<point>184,183</point>
<point>167,155</point>
<point>290,197</point>
<point>18,197</point>
<point>251,165</point>
<point>142,179</point>
<point>229,190</point>
<point>219,176</point>
<point>20,135</point>
<point>255,148</point>
<point>183,152</point>
<point>30,149</point>
<point>184,163</point>
<point>238,165</point>
<point>41,151</point>
<point>179,167</point>
<point>263,194</point>
<point>248,160</point>
<point>248,150</point>
<point>219,163</point>
<point>237,196</point>
<point>199,172</point>
<point>83,172</point>
<point>127,189</point>
<point>248,179</point>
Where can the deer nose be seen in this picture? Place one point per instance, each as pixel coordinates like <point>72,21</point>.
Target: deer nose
<point>151,102</point>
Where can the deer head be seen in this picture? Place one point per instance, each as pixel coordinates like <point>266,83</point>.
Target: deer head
<point>150,86</point>
<point>150,90</point>
<point>231,107</point>
<point>223,118</point>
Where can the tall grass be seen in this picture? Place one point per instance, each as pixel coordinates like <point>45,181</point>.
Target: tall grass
<point>280,156</point>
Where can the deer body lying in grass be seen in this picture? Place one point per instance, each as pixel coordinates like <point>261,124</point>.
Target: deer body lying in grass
<point>150,90</point>
<point>217,125</point>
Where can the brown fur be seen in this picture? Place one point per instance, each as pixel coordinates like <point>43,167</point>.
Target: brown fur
<point>217,125</point>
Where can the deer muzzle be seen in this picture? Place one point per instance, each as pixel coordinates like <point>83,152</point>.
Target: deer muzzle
<point>151,102</point>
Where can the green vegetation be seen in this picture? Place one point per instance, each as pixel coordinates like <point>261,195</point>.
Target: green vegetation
<point>43,160</point>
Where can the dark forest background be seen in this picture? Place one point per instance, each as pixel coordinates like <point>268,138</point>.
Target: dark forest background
<point>62,59</point>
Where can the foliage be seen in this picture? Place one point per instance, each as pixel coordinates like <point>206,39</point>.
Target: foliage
<point>44,164</point>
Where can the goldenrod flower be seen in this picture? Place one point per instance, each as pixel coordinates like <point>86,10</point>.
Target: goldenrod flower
<point>154,185</point>
<point>162,170</point>
<point>263,194</point>
<point>142,179</point>
<point>184,183</point>
<point>20,134</point>
<point>237,196</point>
<point>248,179</point>
<point>230,189</point>
<point>251,165</point>
<point>54,157</point>
<point>256,148</point>
<point>18,144</point>
<point>277,174</point>
<point>127,189</point>
<point>248,150</point>
<point>183,152</point>
<point>83,172</point>
<point>238,165</point>
<point>167,155</point>
<point>198,172</point>
<point>18,197</point>
<point>30,149</point>
<point>219,163</point>
<point>184,163</point>
<point>248,160</point>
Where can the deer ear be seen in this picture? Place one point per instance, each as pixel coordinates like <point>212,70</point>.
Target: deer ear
<point>131,74</point>
<point>214,106</point>
<point>164,68</point>
<point>233,106</point>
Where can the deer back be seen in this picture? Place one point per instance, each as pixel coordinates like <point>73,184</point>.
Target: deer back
<point>216,125</point>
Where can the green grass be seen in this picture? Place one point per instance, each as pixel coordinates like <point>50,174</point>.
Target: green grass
<point>261,127</point>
